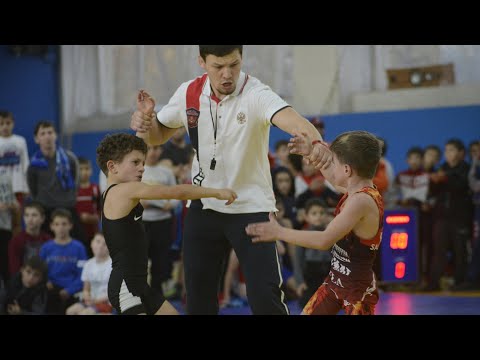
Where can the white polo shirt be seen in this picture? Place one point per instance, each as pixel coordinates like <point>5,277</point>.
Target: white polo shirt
<point>243,130</point>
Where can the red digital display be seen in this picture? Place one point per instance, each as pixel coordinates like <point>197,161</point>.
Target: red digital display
<point>398,219</point>
<point>400,270</point>
<point>399,248</point>
<point>399,241</point>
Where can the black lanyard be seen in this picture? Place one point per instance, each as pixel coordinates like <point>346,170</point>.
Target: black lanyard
<point>213,163</point>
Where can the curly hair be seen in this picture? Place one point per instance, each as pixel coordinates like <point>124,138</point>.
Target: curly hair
<point>116,146</point>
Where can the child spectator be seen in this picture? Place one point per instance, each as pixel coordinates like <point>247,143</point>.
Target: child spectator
<point>53,177</point>
<point>281,158</point>
<point>14,159</point>
<point>13,185</point>
<point>474,151</point>
<point>158,219</point>
<point>312,266</point>
<point>452,215</point>
<point>176,153</point>
<point>88,200</point>
<point>65,258</point>
<point>381,178</point>
<point>9,208</point>
<point>314,185</point>
<point>389,195</point>
<point>309,180</point>
<point>27,293</point>
<point>413,182</point>
<point>472,281</point>
<point>95,275</point>
<point>431,158</point>
<point>28,242</point>
<point>284,190</point>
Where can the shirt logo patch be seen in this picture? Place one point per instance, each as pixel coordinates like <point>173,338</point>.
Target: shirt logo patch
<point>241,118</point>
<point>192,117</point>
<point>137,217</point>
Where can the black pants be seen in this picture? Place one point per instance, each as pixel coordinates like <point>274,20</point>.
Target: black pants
<point>425,243</point>
<point>473,274</point>
<point>450,234</point>
<point>208,238</point>
<point>5,236</point>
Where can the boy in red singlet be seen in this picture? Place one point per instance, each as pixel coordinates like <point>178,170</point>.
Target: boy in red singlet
<point>353,236</point>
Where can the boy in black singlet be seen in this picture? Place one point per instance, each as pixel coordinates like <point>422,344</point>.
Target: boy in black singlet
<point>122,158</point>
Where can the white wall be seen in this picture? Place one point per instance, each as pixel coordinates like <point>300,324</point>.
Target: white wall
<point>315,79</point>
<point>426,97</point>
<point>323,73</point>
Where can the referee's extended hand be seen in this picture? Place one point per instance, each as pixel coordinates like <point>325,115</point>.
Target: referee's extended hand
<point>319,155</point>
<point>264,231</point>
<point>300,144</point>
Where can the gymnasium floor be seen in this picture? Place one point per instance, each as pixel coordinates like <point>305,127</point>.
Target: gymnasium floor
<point>399,303</point>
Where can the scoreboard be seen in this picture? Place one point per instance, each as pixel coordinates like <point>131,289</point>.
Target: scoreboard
<point>399,246</point>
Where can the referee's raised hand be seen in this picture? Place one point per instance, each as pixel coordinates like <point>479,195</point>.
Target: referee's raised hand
<point>143,117</point>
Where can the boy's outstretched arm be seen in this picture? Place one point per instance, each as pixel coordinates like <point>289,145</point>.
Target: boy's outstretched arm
<point>139,190</point>
<point>340,226</point>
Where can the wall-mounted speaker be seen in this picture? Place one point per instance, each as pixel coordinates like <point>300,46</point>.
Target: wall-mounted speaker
<point>435,75</point>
